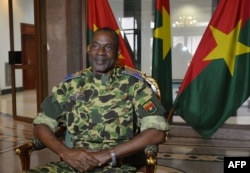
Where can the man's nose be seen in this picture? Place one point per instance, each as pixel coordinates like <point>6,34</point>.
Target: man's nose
<point>101,50</point>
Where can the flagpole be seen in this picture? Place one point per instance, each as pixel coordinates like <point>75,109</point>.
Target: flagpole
<point>170,114</point>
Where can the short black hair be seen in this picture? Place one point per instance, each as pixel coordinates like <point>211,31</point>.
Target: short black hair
<point>110,30</point>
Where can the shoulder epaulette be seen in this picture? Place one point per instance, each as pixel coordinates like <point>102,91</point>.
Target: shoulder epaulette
<point>72,76</point>
<point>133,72</point>
<point>143,77</point>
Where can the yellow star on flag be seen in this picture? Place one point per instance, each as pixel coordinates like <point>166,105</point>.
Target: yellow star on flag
<point>226,49</point>
<point>163,32</point>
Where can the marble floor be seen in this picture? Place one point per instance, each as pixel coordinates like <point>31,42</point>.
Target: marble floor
<point>183,152</point>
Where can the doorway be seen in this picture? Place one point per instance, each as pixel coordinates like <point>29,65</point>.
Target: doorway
<point>29,56</point>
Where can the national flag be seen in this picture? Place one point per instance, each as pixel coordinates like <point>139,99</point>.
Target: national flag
<point>161,61</point>
<point>217,82</point>
<point>150,107</point>
<point>100,15</point>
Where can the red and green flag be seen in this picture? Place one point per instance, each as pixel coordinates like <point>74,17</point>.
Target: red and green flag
<point>100,15</point>
<point>217,82</point>
<point>161,61</point>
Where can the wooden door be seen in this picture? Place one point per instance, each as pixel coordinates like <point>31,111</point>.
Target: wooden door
<point>29,56</point>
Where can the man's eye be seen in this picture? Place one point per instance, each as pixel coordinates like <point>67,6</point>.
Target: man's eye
<point>95,46</point>
<point>108,48</point>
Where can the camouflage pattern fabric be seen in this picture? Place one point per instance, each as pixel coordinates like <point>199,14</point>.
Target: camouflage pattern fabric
<point>98,110</point>
<point>62,167</point>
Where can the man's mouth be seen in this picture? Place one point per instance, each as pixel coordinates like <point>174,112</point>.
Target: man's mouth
<point>100,61</point>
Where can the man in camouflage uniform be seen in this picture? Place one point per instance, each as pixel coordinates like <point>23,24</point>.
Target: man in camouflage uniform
<point>100,107</point>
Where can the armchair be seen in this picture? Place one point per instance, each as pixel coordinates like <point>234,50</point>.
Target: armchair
<point>25,150</point>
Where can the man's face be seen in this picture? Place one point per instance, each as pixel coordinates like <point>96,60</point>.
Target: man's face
<point>103,52</point>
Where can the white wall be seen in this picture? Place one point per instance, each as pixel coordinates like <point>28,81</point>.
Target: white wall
<point>4,37</point>
<point>146,36</point>
<point>23,12</point>
<point>146,54</point>
<point>187,37</point>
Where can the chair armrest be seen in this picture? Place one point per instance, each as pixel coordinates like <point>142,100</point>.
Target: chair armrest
<point>151,154</point>
<point>151,158</point>
<point>25,148</point>
<point>24,151</point>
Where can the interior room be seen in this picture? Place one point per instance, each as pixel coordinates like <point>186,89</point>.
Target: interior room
<point>51,36</point>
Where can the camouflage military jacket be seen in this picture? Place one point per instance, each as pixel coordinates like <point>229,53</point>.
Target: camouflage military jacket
<point>99,110</point>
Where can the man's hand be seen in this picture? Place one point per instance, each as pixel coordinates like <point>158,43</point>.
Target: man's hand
<point>80,160</point>
<point>77,158</point>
